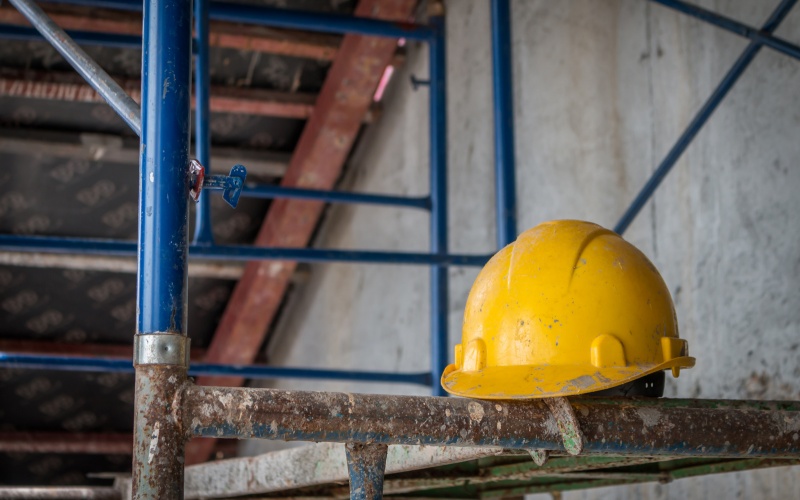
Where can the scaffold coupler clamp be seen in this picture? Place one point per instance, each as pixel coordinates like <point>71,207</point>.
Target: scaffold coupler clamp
<point>568,427</point>
<point>161,349</point>
<point>231,185</point>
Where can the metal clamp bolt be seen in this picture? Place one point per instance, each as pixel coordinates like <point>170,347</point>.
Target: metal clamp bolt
<point>231,185</point>
<point>416,83</point>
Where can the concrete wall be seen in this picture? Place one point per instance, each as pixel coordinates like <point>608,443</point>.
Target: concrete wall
<point>602,90</point>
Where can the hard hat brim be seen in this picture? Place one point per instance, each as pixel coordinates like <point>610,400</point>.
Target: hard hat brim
<point>532,382</point>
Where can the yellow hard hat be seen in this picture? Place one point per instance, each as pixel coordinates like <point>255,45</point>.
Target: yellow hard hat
<point>569,308</point>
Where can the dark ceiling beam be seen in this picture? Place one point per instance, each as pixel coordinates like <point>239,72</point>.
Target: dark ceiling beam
<point>74,349</point>
<point>319,157</point>
<point>231,271</point>
<point>66,442</point>
<point>220,270</point>
<point>116,149</point>
<point>223,35</point>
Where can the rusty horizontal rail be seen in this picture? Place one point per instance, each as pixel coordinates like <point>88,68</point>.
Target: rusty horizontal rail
<point>642,427</point>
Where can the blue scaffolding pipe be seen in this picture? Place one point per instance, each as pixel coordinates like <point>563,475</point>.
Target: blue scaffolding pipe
<point>163,248</point>
<point>438,185</point>
<point>289,19</point>
<point>242,253</point>
<point>164,191</point>
<point>733,26</point>
<point>505,175</point>
<point>203,234</point>
<point>701,118</point>
<point>271,191</point>
<point>98,364</point>
<point>23,33</point>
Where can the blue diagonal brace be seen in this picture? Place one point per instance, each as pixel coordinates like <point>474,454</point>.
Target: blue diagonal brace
<point>733,26</point>
<point>702,117</point>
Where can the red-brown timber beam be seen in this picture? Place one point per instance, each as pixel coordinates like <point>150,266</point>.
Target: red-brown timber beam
<point>223,35</point>
<point>245,101</point>
<point>66,442</point>
<point>320,154</point>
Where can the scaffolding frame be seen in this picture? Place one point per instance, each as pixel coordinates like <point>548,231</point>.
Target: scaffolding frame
<point>170,409</point>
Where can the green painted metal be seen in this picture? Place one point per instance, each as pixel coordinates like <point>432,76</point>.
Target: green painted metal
<point>576,485</point>
<point>516,475</point>
<point>731,466</point>
<point>562,464</point>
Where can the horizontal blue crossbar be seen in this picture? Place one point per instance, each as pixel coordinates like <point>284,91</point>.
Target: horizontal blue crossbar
<point>94,364</point>
<point>86,246</point>
<point>271,192</point>
<point>289,19</point>
<point>81,37</point>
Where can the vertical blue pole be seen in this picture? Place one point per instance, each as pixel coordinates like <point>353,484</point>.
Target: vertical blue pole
<point>161,345</point>
<point>505,182</point>
<point>163,202</point>
<point>438,184</point>
<point>202,81</point>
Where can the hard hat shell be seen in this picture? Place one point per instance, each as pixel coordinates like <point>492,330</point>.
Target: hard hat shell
<point>569,308</point>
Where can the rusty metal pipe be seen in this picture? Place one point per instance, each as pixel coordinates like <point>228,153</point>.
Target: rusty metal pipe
<point>643,427</point>
<point>158,432</point>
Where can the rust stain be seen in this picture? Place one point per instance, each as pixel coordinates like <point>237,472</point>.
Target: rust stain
<point>159,435</point>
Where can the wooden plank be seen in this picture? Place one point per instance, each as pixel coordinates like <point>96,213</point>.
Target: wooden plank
<point>324,145</point>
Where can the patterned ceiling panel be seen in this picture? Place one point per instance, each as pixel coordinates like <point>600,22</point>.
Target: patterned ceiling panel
<point>59,469</point>
<point>43,194</point>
